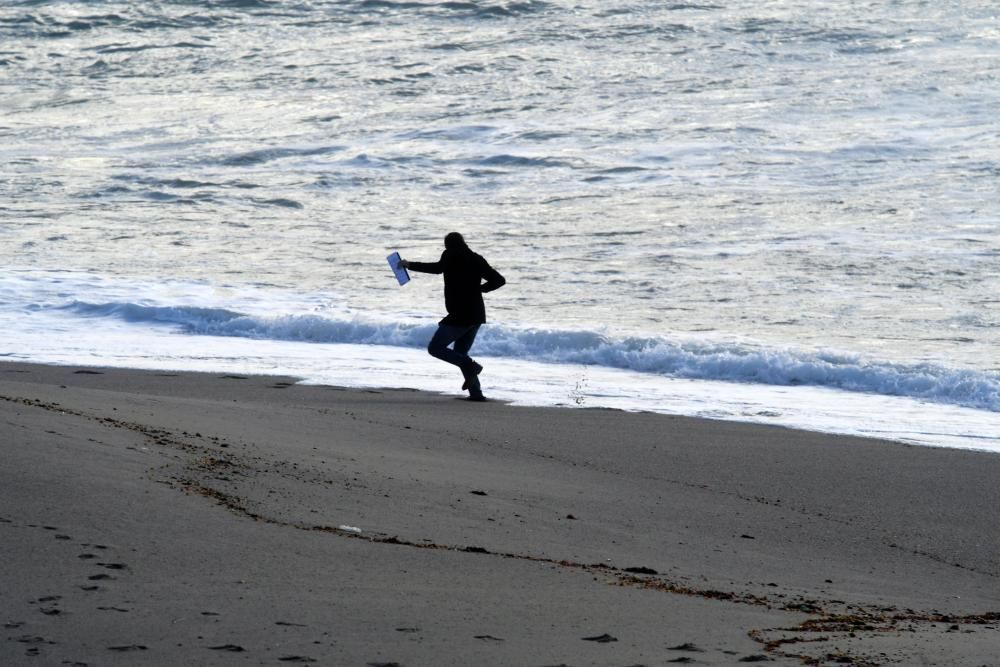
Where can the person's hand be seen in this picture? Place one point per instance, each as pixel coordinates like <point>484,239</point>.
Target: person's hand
<point>404,264</point>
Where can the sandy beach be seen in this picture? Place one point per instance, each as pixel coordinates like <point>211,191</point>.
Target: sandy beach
<point>155,518</point>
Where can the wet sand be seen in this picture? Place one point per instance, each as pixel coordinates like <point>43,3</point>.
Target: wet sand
<point>151,518</point>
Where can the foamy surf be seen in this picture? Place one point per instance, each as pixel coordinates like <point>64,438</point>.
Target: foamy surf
<point>83,319</point>
<point>686,359</point>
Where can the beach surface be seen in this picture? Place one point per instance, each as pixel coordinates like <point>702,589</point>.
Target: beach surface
<point>159,518</point>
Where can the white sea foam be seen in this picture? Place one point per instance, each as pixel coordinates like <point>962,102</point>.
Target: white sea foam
<point>685,359</point>
<point>114,342</point>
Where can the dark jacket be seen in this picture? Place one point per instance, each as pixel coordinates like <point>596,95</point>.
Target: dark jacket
<point>464,272</point>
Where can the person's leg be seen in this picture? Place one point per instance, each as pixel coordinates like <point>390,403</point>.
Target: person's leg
<point>464,343</point>
<point>463,337</point>
<point>470,369</point>
<point>445,335</point>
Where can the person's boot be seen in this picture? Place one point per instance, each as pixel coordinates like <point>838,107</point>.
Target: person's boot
<point>472,381</point>
<point>469,372</point>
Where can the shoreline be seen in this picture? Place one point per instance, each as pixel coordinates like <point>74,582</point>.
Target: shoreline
<point>414,528</point>
<point>803,408</point>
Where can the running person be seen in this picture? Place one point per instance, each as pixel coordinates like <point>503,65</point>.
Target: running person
<point>464,275</point>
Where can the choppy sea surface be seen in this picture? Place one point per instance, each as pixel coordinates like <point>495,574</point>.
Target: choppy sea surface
<point>785,213</point>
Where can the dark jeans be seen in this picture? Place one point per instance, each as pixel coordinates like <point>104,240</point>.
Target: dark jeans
<point>463,336</point>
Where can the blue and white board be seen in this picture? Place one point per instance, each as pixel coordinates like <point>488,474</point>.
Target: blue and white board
<point>402,275</point>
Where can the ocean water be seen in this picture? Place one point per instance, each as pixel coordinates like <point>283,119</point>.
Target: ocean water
<point>785,213</point>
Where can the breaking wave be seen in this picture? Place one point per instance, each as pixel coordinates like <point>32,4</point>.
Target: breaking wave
<point>671,357</point>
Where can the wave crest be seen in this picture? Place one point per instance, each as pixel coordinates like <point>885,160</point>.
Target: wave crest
<point>687,359</point>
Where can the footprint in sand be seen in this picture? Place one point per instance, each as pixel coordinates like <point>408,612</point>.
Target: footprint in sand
<point>114,566</point>
<point>687,646</point>
<point>32,639</point>
<point>231,648</point>
<point>49,607</point>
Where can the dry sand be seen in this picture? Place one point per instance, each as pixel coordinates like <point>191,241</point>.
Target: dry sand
<point>185,519</point>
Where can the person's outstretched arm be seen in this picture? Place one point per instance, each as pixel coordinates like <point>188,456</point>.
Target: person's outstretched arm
<point>492,277</point>
<point>424,267</point>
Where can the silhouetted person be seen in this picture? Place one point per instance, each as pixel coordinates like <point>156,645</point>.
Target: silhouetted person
<point>464,272</point>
